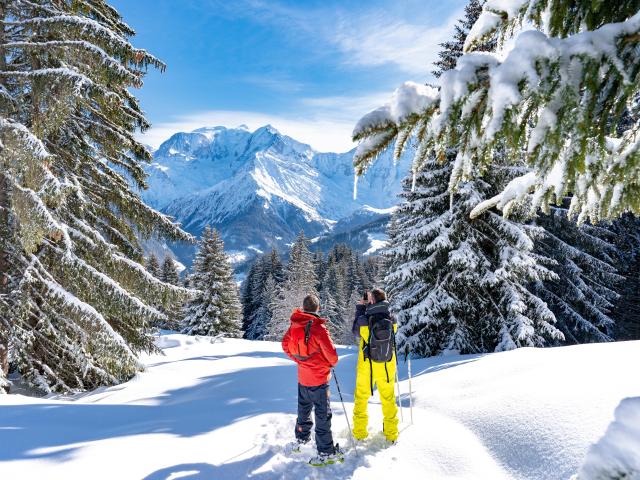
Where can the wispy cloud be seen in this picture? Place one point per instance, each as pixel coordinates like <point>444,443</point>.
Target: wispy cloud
<point>375,39</point>
<point>275,82</point>
<point>365,36</point>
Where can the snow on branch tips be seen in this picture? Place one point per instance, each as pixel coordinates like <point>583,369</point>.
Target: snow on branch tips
<point>560,100</point>
<point>377,129</point>
<point>494,14</point>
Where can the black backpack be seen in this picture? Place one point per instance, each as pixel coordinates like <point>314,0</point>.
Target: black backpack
<point>380,345</point>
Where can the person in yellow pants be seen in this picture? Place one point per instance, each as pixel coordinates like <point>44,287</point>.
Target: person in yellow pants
<point>372,374</point>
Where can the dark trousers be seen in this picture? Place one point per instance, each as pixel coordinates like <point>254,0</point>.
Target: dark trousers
<point>316,398</point>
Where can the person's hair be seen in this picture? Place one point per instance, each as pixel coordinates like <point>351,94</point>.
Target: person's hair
<point>378,295</point>
<point>311,303</point>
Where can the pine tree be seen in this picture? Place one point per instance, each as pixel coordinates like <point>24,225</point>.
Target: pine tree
<point>216,309</point>
<point>251,293</point>
<point>72,282</point>
<point>460,285</point>
<point>374,272</point>
<point>153,266</point>
<point>544,94</point>
<point>276,268</point>
<point>257,313</point>
<point>300,280</point>
<point>332,299</point>
<point>320,267</point>
<point>453,49</point>
<point>456,284</point>
<point>258,326</point>
<point>345,336</point>
<point>626,312</point>
<point>169,273</point>
<point>584,291</point>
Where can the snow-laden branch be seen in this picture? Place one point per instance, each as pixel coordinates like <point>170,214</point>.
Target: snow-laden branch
<point>105,59</point>
<point>408,99</point>
<point>553,98</point>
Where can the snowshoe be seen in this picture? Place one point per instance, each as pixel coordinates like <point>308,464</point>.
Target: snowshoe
<point>324,459</point>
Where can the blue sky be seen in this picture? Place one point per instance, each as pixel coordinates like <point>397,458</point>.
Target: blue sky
<point>310,68</point>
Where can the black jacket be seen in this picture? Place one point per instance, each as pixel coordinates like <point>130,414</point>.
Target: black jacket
<point>363,312</point>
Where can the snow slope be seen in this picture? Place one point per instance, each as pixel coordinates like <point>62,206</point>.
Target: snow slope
<point>224,410</point>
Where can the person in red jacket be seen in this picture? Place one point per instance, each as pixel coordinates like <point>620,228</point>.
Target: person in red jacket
<point>307,342</point>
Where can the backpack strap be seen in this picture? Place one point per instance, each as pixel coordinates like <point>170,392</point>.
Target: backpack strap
<point>307,335</point>
<point>307,332</point>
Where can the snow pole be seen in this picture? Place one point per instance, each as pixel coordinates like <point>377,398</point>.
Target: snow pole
<point>410,391</point>
<point>398,380</point>
<point>398,388</point>
<point>335,378</point>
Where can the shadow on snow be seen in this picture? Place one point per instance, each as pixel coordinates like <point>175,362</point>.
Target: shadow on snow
<point>50,430</point>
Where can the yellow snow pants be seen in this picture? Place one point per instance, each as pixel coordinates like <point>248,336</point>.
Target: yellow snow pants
<point>384,380</point>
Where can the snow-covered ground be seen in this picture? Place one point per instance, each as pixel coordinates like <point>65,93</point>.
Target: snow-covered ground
<point>225,410</point>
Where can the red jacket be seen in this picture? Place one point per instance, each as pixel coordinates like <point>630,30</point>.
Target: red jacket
<point>315,358</point>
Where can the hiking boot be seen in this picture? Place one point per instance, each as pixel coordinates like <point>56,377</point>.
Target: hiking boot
<point>295,447</point>
<point>324,459</point>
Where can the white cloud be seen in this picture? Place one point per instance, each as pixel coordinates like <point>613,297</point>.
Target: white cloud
<point>405,37</point>
<point>375,39</point>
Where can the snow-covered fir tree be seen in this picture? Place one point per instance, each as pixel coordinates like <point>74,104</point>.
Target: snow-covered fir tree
<point>332,298</point>
<point>544,93</point>
<point>216,309</point>
<point>250,302</point>
<point>345,335</point>
<point>456,284</point>
<point>255,292</point>
<point>300,280</point>
<point>452,49</point>
<point>627,309</point>
<point>461,285</point>
<point>153,266</point>
<point>320,265</point>
<point>169,272</point>
<point>257,327</point>
<point>583,293</point>
<point>71,275</point>
<point>374,272</point>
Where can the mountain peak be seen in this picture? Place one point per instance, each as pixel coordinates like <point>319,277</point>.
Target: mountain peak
<point>268,128</point>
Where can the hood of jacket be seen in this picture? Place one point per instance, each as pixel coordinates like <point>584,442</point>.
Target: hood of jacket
<point>380,308</point>
<point>300,318</point>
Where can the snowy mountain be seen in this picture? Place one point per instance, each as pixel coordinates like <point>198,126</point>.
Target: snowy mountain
<point>261,188</point>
